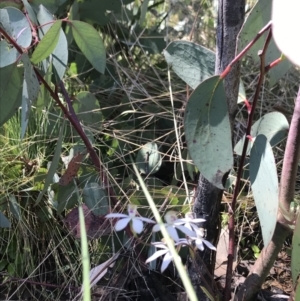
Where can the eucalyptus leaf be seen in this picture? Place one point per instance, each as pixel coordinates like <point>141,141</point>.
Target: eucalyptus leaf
<point>273,125</point>
<point>4,222</point>
<point>31,13</point>
<point>95,197</point>
<point>8,55</point>
<point>259,16</point>
<point>16,25</point>
<point>67,197</point>
<point>148,160</point>
<point>264,183</point>
<point>14,207</point>
<point>29,93</point>
<point>88,110</point>
<point>285,18</point>
<point>51,175</point>
<point>10,91</point>
<point>208,132</point>
<point>191,62</point>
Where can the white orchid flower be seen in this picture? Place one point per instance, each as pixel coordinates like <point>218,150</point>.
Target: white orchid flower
<point>173,223</point>
<point>164,251</point>
<point>136,221</point>
<point>190,222</point>
<point>199,241</point>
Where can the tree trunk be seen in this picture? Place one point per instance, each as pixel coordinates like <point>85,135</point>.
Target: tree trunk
<point>208,198</point>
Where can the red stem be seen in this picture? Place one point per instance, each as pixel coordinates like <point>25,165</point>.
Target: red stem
<point>240,169</point>
<point>245,50</point>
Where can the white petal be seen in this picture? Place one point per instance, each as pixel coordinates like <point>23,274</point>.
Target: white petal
<point>156,228</point>
<point>166,261</point>
<point>183,241</point>
<point>209,245</point>
<point>173,233</point>
<point>199,244</point>
<point>186,231</point>
<point>180,221</point>
<point>189,226</point>
<point>122,223</point>
<point>110,215</point>
<point>137,225</point>
<point>198,220</point>
<point>145,219</point>
<point>160,245</point>
<point>156,255</point>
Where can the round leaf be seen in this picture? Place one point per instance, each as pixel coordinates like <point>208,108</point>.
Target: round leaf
<point>273,125</point>
<point>94,196</point>
<point>191,62</point>
<point>148,159</point>
<point>16,25</point>
<point>8,55</point>
<point>285,29</point>
<point>90,43</point>
<point>4,222</point>
<point>259,16</point>
<point>88,109</point>
<point>264,182</point>
<point>10,91</point>
<point>207,130</point>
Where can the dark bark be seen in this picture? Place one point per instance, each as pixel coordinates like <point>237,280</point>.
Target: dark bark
<point>208,197</point>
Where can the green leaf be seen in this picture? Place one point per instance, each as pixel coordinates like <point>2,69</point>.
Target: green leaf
<point>47,44</point>
<point>54,164</point>
<point>148,159</point>
<point>4,222</point>
<point>67,196</point>
<point>30,92</point>
<point>207,130</point>
<point>30,12</point>
<point>264,183</point>
<point>273,125</point>
<point>242,93</point>
<point>94,196</point>
<point>15,207</point>
<point>10,91</point>
<point>50,5</point>
<point>88,110</point>
<point>8,55</point>
<point>296,251</point>
<point>90,43</point>
<point>61,51</point>
<point>143,8</point>
<point>259,16</point>
<point>16,25</point>
<point>191,62</point>
<point>285,28</point>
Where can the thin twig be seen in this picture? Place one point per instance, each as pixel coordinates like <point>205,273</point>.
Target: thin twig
<point>227,292</point>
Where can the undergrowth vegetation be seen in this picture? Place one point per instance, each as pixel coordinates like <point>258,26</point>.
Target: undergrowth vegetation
<point>137,101</point>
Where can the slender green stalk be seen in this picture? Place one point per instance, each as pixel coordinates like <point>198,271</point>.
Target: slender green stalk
<point>85,258</point>
<point>177,260</point>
